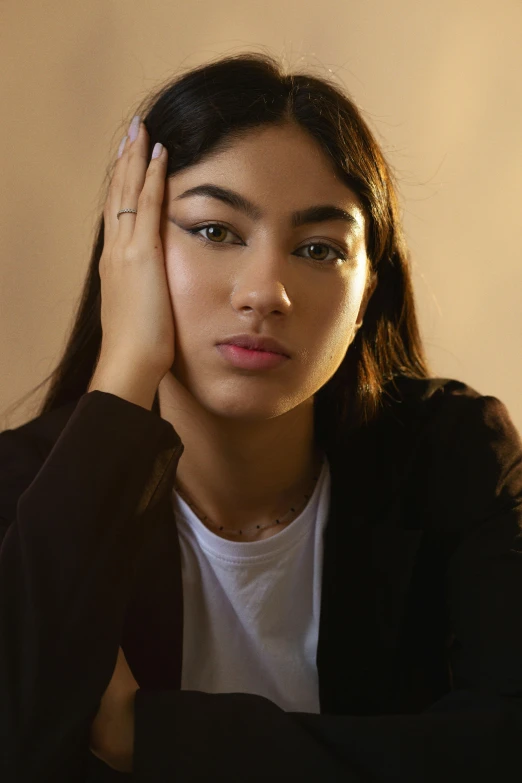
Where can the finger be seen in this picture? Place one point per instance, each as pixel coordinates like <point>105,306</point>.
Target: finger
<point>150,202</point>
<point>132,186</point>
<point>113,201</point>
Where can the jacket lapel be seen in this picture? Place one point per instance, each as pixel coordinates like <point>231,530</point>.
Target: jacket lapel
<point>370,549</point>
<point>369,555</point>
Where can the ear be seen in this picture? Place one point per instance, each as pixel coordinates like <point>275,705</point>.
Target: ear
<point>370,288</point>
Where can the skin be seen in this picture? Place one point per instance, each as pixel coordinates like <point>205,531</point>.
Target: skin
<point>248,435</point>
<point>112,731</point>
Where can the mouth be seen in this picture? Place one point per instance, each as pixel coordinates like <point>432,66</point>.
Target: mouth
<point>250,358</point>
<point>259,343</point>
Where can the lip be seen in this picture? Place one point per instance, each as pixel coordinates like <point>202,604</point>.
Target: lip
<point>250,360</point>
<point>256,342</point>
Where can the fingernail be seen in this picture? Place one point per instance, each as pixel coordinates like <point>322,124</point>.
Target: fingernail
<point>122,144</point>
<point>156,152</point>
<point>134,127</point>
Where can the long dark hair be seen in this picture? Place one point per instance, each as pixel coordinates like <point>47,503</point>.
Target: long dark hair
<point>204,111</point>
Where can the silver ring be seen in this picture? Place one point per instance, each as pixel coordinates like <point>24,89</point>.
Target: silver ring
<point>126,210</point>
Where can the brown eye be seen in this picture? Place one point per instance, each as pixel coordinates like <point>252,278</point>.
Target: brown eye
<point>215,228</point>
<point>338,254</point>
<point>312,248</point>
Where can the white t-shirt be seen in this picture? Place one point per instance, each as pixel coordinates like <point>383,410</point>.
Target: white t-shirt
<point>251,608</point>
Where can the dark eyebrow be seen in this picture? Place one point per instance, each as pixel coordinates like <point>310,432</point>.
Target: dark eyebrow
<point>316,214</point>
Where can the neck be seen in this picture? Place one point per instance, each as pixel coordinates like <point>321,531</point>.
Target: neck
<point>261,529</point>
<point>240,474</point>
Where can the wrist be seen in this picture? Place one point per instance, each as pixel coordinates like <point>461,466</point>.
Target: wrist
<point>131,386</point>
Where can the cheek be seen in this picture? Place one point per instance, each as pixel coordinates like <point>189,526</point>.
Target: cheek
<point>338,312</point>
<point>192,295</point>
<point>335,320</point>
<point>185,283</point>
<point>337,332</point>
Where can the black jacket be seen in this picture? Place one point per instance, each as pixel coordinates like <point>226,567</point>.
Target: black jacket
<point>420,641</point>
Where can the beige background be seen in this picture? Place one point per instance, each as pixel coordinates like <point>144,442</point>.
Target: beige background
<point>439,83</point>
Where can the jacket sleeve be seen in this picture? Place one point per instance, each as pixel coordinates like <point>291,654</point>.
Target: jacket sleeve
<point>71,543</point>
<point>473,733</point>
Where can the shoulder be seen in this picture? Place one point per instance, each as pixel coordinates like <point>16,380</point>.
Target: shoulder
<point>453,405</point>
<point>420,390</point>
<point>23,450</point>
<point>450,403</point>
<point>468,453</point>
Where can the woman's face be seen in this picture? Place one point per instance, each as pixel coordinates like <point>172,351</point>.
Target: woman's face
<point>258,273</point>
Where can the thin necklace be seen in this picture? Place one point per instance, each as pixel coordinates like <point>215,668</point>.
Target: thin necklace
<point>280,521</point>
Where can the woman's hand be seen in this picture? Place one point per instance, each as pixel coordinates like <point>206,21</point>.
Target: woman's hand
<point>112,731</point>
<point>136,311</point>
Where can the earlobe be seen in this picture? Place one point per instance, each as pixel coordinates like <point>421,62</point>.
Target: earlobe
<point>366,298</point>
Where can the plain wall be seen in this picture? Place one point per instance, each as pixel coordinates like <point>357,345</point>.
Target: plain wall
<point>438,82</point>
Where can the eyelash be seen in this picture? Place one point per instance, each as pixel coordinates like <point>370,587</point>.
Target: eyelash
<point>340,255</point>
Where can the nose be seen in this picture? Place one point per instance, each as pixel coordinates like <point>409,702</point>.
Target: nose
<point>261,286</point>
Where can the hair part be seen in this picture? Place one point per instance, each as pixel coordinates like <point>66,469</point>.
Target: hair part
<point>203,112</point>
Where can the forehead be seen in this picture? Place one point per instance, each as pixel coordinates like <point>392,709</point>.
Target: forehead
<point>277,171</point>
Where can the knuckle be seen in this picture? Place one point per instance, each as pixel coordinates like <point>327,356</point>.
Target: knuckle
<point>117,174</point>
<point>136,152</point>
<point>130,192</point>
<point>111,256</point>
<point>110,197</point>
<point>130,254</point>
<point>112,191</point>
<point>117,252</point>
<point>146,200</point>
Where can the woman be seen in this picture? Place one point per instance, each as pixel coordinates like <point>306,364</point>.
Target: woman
<point>298,558</point>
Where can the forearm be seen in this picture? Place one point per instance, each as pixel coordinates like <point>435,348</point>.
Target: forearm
<point>83,514</point>
<point>112,733</point>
